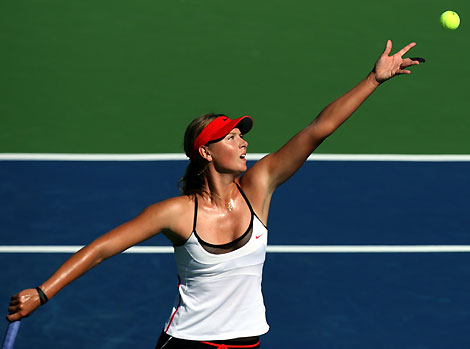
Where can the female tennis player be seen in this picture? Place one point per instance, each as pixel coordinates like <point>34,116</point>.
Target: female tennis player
<point>218,224</point>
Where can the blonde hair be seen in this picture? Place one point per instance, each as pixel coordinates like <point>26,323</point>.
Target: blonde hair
<point>193,179</point>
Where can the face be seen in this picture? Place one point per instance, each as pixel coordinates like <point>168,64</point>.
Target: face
<point>228,154</point>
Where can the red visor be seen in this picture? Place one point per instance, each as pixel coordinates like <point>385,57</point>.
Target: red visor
<point>219,128</point>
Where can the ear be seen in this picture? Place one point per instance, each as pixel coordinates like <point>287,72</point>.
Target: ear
<point>205,153</point>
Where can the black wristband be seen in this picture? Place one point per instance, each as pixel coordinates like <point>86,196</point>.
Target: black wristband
<point>42,296</point>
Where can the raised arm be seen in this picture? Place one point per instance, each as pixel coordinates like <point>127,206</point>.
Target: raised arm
<point>276,168</point>
<point>150,222</point>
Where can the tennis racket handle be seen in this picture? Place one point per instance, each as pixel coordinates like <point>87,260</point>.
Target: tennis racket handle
<point>10,337</point>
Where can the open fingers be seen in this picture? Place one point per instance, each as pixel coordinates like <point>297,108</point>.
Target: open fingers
<point>407,62</point>
<point>418,59</point>
<point>405,49</point>
<point>403,71</point>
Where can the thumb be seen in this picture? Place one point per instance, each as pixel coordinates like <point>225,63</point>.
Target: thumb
<point>388,48</point>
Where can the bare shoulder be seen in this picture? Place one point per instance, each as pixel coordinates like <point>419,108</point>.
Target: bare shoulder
<point>171,205</point>
<point>177,215</point>
<point>171,210</point>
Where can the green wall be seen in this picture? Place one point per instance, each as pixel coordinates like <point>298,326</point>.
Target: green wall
<point>120,76</point>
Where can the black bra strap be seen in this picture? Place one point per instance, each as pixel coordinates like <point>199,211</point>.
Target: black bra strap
<point>246,199</point>
<point>241,192</point>
<point>195,213</point>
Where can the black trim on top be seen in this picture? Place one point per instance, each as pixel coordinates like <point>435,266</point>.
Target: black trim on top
<point>231,243</point>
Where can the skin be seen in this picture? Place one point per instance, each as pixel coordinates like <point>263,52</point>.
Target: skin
<point>227,166</point>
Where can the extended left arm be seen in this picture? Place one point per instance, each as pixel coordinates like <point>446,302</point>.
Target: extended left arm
<point>271,171</point>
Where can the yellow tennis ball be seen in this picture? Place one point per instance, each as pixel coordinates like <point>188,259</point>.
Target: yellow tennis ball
<point>450,20</point>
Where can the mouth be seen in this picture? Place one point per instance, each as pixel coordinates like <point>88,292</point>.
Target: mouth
<point>243,156</point>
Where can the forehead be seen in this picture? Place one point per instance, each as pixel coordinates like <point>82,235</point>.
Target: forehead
<point>234,131</point>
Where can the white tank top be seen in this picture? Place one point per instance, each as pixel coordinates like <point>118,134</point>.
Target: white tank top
<point>220,294</point>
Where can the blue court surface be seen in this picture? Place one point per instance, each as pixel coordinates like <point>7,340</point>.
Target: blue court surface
<point>314,300</point>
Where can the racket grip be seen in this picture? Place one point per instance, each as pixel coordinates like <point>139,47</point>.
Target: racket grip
<point>10,337</point>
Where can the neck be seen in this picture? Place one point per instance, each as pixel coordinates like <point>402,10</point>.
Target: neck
<point>220,191</point>
<point>220,185</point>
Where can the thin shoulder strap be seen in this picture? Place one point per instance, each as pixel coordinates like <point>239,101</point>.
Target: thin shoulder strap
<point>195,213</point>
<point>246,199</point>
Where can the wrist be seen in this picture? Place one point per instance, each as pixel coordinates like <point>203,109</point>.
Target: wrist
<point>372,79</point>
<point>42,296</point>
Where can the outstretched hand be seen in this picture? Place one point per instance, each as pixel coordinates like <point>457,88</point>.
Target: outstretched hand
<point>389,66</point>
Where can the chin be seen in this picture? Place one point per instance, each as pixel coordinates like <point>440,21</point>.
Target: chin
<point>240,171</point>
<point>243,167</point>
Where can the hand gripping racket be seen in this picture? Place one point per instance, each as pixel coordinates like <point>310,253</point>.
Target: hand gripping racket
<point>10,336</point>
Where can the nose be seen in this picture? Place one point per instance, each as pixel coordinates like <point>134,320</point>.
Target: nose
<point>243,143</point>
